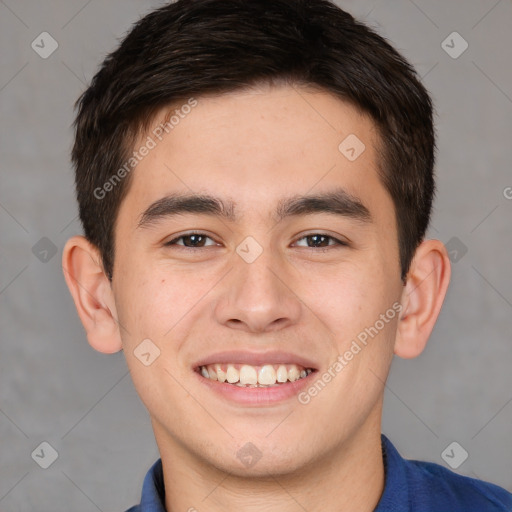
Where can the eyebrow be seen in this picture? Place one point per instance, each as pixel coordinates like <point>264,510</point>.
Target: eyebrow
<point>337,202</point>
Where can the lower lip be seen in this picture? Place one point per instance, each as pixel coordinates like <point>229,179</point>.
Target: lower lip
<point>257,396</point>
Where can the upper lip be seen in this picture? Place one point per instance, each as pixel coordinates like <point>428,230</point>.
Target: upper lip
<point>256,358</point>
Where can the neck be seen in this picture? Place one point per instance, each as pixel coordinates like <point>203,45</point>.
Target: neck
<point>349,478</point>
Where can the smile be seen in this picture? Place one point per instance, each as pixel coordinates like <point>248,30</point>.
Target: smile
<point>244,375</point>
<point>255,379</point>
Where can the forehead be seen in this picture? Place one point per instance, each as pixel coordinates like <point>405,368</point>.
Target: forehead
<point>256,146</point>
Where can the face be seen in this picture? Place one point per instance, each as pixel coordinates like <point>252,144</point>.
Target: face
<point>288,262</point>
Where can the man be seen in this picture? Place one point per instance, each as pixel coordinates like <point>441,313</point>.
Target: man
<point>255,181</point>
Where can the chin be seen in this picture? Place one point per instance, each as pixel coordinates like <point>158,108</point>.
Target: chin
<point>259,459</point>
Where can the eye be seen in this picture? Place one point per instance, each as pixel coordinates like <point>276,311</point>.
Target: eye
<point>191,240</point>
<point>321,240</point>
<point>195,240</point>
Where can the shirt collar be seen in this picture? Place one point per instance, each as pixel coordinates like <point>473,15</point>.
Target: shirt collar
<point>396,492</point>
<point>153,490</point>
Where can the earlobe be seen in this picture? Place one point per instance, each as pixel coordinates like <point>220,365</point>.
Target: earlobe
<point>422,298</point>
<point>92,294</point>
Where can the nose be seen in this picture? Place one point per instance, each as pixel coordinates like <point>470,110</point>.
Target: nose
<point>258,296</point>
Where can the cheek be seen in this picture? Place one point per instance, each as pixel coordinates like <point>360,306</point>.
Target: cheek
<point>350,302</point>
<point>142,302</point>
<point>156,303</point>
<point>347,296</point>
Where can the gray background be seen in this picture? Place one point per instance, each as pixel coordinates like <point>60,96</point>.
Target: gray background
<point>55,388</point>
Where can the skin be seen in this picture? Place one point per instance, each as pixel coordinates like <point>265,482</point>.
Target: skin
<point>256,147</point>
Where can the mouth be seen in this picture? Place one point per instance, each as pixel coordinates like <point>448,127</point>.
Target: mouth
<point>249,376</point>
<point>255,379</point>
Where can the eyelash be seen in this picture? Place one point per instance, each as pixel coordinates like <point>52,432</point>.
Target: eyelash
<point>339,243</point>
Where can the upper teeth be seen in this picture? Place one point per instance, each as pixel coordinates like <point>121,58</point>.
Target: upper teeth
<point>245,374</point>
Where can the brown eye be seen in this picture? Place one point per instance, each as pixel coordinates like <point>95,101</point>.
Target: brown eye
<point>321,240</point>
<point>191,240</point>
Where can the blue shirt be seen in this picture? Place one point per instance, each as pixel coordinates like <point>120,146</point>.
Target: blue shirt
<point>411,486</point>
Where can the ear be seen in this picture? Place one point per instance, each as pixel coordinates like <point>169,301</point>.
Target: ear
<point>92,294</point>
<point>422,297</point>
